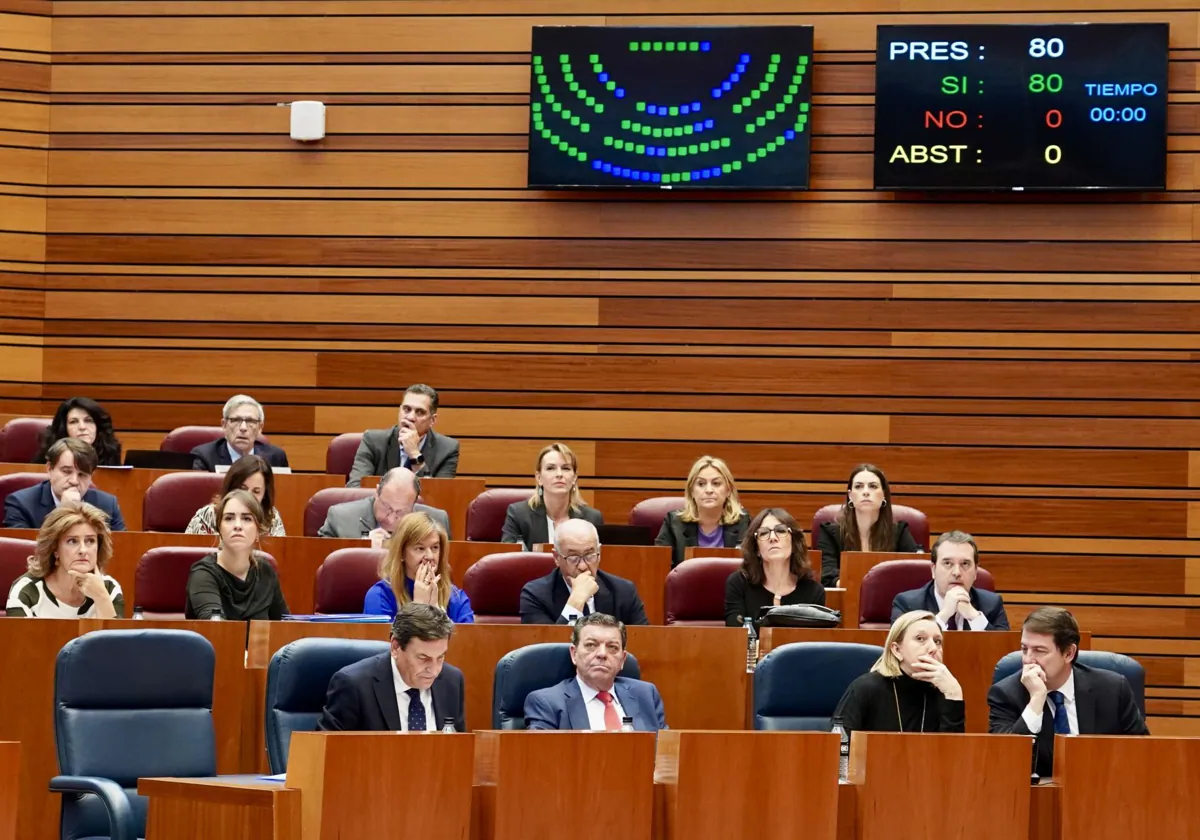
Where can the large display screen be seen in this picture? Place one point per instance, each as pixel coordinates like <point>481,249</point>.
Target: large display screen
<point>1016,107</point>
<point>670,107</point>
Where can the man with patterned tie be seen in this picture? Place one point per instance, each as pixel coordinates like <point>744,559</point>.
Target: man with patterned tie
<point>1054,694</point>
<point>596,698</point>
<point>409,688</point>
<point>952,596</point>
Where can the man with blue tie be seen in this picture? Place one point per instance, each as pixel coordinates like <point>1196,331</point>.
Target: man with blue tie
<point>409,688</point>
<point>596,698</point>
<point>1054,694</point>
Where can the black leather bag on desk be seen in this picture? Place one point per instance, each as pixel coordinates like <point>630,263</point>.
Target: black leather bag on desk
<point>800,615</point>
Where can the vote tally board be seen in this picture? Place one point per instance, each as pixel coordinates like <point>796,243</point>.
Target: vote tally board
<point>1016,107</point>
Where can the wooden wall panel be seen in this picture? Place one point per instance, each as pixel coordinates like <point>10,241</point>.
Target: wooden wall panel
<point>1023,366</point>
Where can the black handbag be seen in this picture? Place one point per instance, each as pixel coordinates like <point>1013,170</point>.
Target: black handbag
<point>800,615</point>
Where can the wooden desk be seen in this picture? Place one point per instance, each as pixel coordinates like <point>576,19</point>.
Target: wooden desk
<point>29,647</point>
<point>453,495</point>
<point>237,808</point>
<point>10,788</point>
<point>971,657</point>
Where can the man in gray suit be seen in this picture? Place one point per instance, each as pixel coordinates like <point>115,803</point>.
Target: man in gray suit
<point>411,443</point>
<point>375,517</point>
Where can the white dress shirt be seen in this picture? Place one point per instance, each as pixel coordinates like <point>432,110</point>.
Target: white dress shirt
<point>595,706</point>
<point>234,455</point>
<point>402,700</point>
<point>979,622</point>
<point>1034,722</point>
<point>570,613</point>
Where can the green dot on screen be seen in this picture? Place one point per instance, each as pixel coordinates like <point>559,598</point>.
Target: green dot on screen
<point>693,149</point>
<point>646,46</point>
<point>788,99</point>
<point>756,94</point>
<point>780,140</point>
<point>780,108</point>
<point>541,80</point>
<point>793,89</point>
<point>737,109</point>
<point>593,58</point>
<point>633,46</point>
<point>549,97</point>
<point>557,107</point>
<point>771,147</point>
<point>563,57</point>
<point>725,141</point>
<point>761,121</point>
<point>641,106</point>
<point>687,129</point>
<point>804,107</point>
<point>546,90</point>
<point>574,86</point>
<point>749,128</point>
<point>769,78</point>
<point>608,141</point>
<point>611,85</point>
<point>536,106</point>
<point>694,46</point>
<point>737,166</point>
<point>657,132</point>
<point>803,59</point>
<point>775,58</point>
<point>658,45</point>
<point>585,128</point>
<point>639,149</point>
<point>674,111</point>
<point>575,120</point>
<point>591,100</point>
<point>625,124</point>
<point>599,108</point>
<point>672,151</point>
<point>704,147</point>
<point>537,59</point>
<point>670,46</point>
<point>568,77</point>
<point>682,46</point>
<point>676,177</point>
<point>564,146</point>
<point>726,168</point>
<point>687,176</point>
<point>751,157</point>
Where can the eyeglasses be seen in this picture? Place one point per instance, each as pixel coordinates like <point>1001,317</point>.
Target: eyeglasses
<point>778,530</point>
<point>582,560</point>
<point>389,510</point>
<point>243,421</point>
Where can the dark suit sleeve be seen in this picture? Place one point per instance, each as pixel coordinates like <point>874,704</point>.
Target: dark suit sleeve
<point>199,460</point>
<point>660,713</point>
<point>735,599</point>
<point>364,462</point>
<point>1130,720</point>
<point>538,713</point>
<point>899,607</point>
<point>512,529</point>
<point>117,522</point>
<point>998,618</point>
<point>203,593</point>
<point>533,611</point>
<point>904,538</point>
<point>1004,715</point>
<point>16,515</point>
<point>460,714</point>
<point>666,536</point>
<point>281,458</point>
<point>831,557</point>
<point>594,516</point>
<point>635,610</point>
<point>449,467</point>
<point>341,712</point>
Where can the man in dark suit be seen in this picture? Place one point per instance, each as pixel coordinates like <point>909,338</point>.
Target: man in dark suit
<point>411,443</point>
<point>951,596</point>
<point>596,698</point>
<point>578,588</point>
<point>409,688</point>
<point>1053,694</point>
<point>242,420</point>
<point>70,463</point>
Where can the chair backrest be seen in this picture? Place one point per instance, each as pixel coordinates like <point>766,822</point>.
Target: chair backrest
<point>13,482</point>
<point>297,681</point>
<point>530,668</point>
<point>128,704</point>
<point>343,578</point>
<point>485,514</point>
<point>650,513</point>
<point>160,578</point>
<point>886,580</point>
<point>318,506</point>
<point>172,500</point>
<point>695,591</point>
<point>494,584</point>
<point>339,455</point>
<point>918,523</point>
<point>186,438</point>
<point>1101,660</point>
<point>14,559</point>
<point>21,438</point>
<point>799,686</point>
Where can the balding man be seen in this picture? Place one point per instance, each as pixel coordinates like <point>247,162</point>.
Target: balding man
<point>375,517</point>
<point>578,588</point>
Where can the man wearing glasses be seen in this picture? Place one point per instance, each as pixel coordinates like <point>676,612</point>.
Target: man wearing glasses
<point>375,517</point>
<point>578,588</point>
<point>242,421</point>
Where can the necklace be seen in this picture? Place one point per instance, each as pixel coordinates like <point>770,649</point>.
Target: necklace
<point>899,719</point>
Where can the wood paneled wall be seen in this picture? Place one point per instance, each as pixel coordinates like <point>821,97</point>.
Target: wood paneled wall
<point>1024,367</point>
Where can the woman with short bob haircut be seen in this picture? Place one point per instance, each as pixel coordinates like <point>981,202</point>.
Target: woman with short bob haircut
<point>712,516</point>
<point>417,568</point>
<point>66,578</point>
<point>86,419</point>
<point>908,689</point>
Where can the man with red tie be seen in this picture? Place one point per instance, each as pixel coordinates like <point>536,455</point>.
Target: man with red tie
<point>596,698</point>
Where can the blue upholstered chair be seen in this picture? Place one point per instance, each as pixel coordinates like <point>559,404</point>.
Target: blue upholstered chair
<point>1102,660</point>
<point>798,686</point>
<point>530,668</point>
<point>128,704</point>
<point>297,682</point>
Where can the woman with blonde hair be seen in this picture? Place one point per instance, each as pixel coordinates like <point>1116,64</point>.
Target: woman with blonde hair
<point>232,582</point>
<point>908,689</point>
<point>555,500</point>
<point>417,568</point>
<point>66,576</point>
<point>712,516</point>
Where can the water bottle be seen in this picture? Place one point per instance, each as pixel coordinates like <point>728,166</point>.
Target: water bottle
<point>627,724</point>
<point>448,726</point>
<point>751,645</point>
<point>844,759</point>
<point>1034,778</point>
<point>137,614</point>
<point>216,615</point>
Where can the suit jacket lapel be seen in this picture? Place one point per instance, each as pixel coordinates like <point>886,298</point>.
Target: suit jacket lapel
<point>605,599</point>
<point>691,533</point>
<point>930,601</point>
<point>45,500</point>
<point>628,702</point>
<point>442,707</point>
<point>391,456</point>
<point>577,716</point>
<point>538,531</point>
<point>430,450</point>
<point>1085,703</point>
<point>385,693</point>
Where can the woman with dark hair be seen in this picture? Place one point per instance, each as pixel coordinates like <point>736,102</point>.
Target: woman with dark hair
<point>83,418</point>
<point>252,474</point>
<point>775,570</point>
<point>864,524</point>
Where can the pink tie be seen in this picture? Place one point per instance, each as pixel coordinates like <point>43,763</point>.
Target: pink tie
<point>611,722</point>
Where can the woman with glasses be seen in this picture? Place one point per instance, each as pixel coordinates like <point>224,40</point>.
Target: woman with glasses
<point>775,570</point>
<point>555,500</point>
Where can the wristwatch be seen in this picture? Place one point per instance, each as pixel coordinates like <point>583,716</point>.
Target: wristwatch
<point>419,460</point>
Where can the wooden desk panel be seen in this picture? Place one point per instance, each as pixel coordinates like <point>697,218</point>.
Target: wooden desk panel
<point>10,788</point>
<point>699,671</point>
<point>241,809</point>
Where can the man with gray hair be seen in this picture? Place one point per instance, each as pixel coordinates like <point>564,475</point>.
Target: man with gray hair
<point>952,595</point>
<point>242,421</point>
<point>578,588</point>
<point>375,517</point>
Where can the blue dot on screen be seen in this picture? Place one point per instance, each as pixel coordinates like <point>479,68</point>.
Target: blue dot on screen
<point>662,151</point>
<point>685,109</point>
<point>741,68</point>
<point>608,167</point>
<point>695,175</point>
<point>726,85</point>
<point>597,165</point>
<point>789,134</point>
<point>695,106</point>
<point>705,174</point>
<point>697,126</point>
<point>716,171</point>
<point>745,58</point>
<point>625,171</point>
<point>705,46</point>
<point>619,93</point>
<point>603,77</point>
<point>656,177</point>
<point>716,93</point>
<point>709,123</point>
<point>735,77</point>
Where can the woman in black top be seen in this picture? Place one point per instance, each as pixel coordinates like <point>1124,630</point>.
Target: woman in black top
<point>86,419</point>
<point>233,580</point>
<point>908,689</point>
<point>775,569</point>
<point>712,515</point>
<point>864,524</point>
